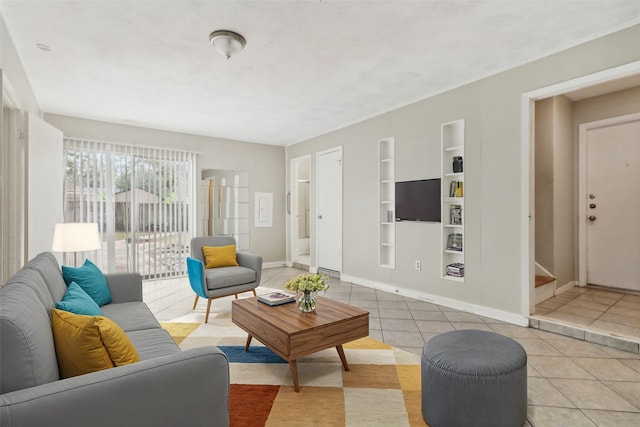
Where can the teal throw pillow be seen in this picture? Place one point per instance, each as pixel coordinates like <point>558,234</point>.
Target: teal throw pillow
<point>77,301</point>
<point>91,279</point>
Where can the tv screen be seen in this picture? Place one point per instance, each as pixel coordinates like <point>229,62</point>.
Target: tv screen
<point>418,200</point>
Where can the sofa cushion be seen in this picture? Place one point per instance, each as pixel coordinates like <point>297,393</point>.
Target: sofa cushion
<point>27,352</point>
<point>31,278</point>
<point>47,266</point>
<point>223,277</point>
<point>153,343</point>
<point>219,256</point>
<point>131,316</point>
<point>86,344</point>
<point>77,301</point>
<point>91,279</point>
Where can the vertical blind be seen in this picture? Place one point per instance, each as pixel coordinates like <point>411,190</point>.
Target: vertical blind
<point>142,199</point>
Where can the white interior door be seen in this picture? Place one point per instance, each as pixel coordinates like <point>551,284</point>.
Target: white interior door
<point>613,205</point>
<point>329,210</point>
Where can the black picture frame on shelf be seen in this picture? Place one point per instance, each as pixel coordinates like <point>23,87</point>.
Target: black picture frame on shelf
<point>457,165</point>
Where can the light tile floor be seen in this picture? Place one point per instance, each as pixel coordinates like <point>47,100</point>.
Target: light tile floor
<point>570,382</point>
<point>605,310</point>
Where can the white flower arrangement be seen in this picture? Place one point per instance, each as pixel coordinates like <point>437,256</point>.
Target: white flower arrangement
<point>308,283</point>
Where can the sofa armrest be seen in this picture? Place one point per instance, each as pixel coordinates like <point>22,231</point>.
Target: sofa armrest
<point>251,261</point>
<point>189,388</point>
<point>125,287</point>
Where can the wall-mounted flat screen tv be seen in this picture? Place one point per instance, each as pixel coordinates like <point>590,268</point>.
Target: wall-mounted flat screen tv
<point>418,200</point>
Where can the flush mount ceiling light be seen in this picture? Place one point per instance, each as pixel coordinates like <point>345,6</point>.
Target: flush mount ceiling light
<point>227,42</point>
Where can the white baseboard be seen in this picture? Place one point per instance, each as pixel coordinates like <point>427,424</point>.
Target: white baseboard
<point>480,310</point>
<point>566,287</point>
<point>275,264</point>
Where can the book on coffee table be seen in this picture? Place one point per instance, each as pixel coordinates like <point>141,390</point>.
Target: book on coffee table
<point>277,298</point>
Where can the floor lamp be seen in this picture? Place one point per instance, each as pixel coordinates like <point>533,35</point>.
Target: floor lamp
<point>75,237</point>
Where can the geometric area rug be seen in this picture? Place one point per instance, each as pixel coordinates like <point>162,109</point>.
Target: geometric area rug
<point>382,387</point>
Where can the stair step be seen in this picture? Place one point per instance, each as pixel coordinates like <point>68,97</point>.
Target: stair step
<point>543,280</point>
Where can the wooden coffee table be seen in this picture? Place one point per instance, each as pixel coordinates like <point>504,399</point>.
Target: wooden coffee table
<point>291,334</point>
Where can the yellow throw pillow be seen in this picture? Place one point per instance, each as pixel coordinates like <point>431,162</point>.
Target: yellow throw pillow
<point>219,256</point>
<point>87,344</point>
<point>121,351</point>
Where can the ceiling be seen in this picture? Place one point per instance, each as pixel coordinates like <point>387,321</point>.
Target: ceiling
<point>309,67</point>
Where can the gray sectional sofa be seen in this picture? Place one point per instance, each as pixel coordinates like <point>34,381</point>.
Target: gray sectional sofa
<point>168,387</point>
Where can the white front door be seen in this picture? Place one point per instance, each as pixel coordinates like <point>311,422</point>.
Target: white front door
<point>329,210</point>
<point>613,205</point>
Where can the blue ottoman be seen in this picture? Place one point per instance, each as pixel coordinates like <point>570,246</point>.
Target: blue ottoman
<point>474,378</point>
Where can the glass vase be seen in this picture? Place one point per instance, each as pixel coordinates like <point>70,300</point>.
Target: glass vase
<point>307,302</point>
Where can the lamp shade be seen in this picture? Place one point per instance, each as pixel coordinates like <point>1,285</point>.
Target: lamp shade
<point>76,237</point>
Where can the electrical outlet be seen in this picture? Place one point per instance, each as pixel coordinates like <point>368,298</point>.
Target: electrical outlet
<point>418,264</point>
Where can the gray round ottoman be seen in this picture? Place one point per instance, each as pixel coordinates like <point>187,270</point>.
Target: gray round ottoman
<point>474,378</point>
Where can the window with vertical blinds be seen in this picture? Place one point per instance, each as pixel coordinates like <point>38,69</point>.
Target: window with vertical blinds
<point>142,199</point>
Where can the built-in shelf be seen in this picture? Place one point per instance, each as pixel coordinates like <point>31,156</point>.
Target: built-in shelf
<point>386,198</point>
<point>452,143</point>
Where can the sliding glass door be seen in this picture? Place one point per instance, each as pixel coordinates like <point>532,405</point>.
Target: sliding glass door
<point>141,198</point>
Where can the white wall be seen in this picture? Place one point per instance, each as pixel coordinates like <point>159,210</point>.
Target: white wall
<point>15,83</point>
<point>265,164</point>
<point>564,214</point>
<point>491,108</point>
<point>16,96</point>
<point>45,184</point>
<point>606,106</point>
<point>543,149</point>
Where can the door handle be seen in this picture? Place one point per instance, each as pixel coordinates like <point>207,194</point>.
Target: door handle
<point>289,202</point>
<point>592,217</point>
<point>592,205</point>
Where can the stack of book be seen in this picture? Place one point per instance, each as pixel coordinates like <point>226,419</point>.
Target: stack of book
<point>277,298</point>
<point>456,269</point>
<point>456,189</point>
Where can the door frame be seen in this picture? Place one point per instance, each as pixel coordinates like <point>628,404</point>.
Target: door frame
<point>527,175</point>
<point>13,154</point>
<point>314,229</point>
<point>583,129</point>
<point>292,200</point>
